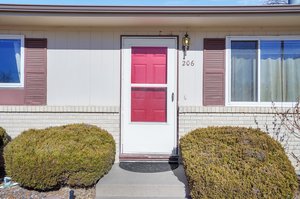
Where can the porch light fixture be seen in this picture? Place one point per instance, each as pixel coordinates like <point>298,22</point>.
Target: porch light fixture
<point>186,42</point>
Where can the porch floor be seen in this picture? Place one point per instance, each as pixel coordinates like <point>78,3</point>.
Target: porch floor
<point>124,184</point>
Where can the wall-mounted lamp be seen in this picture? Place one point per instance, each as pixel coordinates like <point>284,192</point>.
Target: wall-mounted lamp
<point>186,42</point>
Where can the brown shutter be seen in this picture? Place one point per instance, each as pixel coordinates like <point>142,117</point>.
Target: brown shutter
<point>214,72</point>
<point>35,71</point>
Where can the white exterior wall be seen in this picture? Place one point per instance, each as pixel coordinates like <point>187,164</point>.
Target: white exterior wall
<point>83,68</point>
<point>83,80</point>
<point>84,64</point>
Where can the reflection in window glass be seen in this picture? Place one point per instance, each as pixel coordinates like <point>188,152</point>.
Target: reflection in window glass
<point>270,71</point>
<point>244,71</point>
<point>291,70</point>
<point>10,60</point>
<point>280,70</point>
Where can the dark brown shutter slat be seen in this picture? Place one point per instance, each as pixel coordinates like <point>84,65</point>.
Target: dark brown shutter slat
<point>35,71</point>
<point>214,72</point>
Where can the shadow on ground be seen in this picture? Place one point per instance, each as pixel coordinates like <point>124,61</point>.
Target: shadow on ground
<point>180,174</point>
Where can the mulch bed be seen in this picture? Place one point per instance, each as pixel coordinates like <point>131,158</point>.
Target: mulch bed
<point>18,192</point>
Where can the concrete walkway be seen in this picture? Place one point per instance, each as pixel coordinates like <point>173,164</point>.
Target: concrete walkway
<point>123,184</point>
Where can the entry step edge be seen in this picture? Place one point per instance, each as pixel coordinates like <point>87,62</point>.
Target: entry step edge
<point>147,158</point>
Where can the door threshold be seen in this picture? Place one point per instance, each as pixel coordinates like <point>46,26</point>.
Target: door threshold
<point>147,158</point>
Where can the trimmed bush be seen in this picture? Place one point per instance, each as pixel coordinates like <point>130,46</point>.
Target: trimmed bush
<point>77,155</point>
<point>4,139</point>
<point>233,162</point>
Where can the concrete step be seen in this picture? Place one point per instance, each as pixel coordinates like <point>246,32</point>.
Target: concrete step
<point>120,183</point>
<point>141,191</point>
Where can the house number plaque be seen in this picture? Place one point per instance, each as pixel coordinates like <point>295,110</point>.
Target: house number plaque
<point>188,63</point>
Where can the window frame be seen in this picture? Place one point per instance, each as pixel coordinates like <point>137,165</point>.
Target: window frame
<point>229,39</point>
<point>22,60</point>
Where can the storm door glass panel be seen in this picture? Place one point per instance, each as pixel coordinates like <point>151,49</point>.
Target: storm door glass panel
<point>271,71</point>
<point>291,70</point>
<point>148,104</point>
<point>10,59</point>
<point>149,84</point>
<point>244,71</point>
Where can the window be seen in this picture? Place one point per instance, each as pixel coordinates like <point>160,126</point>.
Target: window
<point>244,71</point>
<point>11,61</point>
<point>261,70</point>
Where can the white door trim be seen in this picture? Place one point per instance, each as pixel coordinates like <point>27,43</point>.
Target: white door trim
<point>126,43</point>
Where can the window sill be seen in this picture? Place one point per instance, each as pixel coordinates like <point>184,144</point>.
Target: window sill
<point>261,104</point>
<point>59,109</point>
<point>10,86</point>
<point>229,109</point>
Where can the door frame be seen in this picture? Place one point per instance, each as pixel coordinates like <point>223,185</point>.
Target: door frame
<point>142,156</point>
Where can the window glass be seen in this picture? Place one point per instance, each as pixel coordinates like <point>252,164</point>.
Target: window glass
<point>279,71</point>
<point>270,71</point>
<point>10,60</point>
<point>244,71</point>
<point>291,70</point>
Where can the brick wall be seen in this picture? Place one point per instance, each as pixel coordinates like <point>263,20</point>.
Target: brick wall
<point>191,118</point>
<point>15,119</point>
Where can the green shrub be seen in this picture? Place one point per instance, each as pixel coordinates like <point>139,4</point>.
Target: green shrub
<point>4,139</point>
<point>77,155</point>
<point>233,162</point>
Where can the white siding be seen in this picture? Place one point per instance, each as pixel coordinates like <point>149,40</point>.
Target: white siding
<point>191,77</point>
<point>84,64</point>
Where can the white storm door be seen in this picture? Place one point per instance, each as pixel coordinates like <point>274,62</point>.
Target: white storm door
<point>148,113</point>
